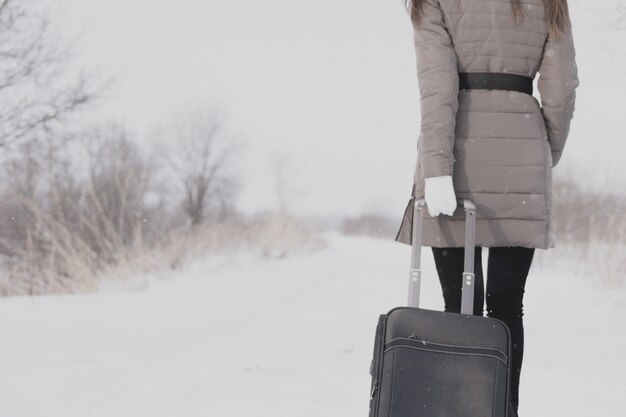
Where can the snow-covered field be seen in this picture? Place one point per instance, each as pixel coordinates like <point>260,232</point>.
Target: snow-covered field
<point>240,336</point>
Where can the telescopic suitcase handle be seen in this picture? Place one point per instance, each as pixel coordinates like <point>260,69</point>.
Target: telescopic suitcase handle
<point>415,274</point>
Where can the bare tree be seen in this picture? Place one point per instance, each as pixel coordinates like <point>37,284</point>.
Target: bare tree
<point>36,89</point>
<point>203,160</point>
<point>281,169</point>
<point>621,17</point>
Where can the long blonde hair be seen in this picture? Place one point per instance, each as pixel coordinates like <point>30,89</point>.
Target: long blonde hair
<point>557,14</point>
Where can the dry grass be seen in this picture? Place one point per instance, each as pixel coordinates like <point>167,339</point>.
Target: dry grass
<point>590,229</point>
<point>271,236</point>
<point>70,266</point>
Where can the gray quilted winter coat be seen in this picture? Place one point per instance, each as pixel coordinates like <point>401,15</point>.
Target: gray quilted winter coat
<point>498,146</point>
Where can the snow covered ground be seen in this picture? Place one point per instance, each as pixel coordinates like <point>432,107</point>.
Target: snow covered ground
<point>240,336</point>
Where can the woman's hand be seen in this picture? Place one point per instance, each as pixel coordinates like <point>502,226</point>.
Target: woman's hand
<point>439,195</point>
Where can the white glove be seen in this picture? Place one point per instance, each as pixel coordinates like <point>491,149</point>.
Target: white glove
<point>439,195</point>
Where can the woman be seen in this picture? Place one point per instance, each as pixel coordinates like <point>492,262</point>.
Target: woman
<point>485,137</point>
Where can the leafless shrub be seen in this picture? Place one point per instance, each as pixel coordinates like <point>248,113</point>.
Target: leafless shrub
<point>590,226</point>
<point>272,235</point>
<point>582,216</point>
<point>114,192</point>
<point>59,232</point>
<point>277,235</point>
<point>370,224</point>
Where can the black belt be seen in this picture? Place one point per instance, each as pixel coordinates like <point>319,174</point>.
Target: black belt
<point>495,81</point>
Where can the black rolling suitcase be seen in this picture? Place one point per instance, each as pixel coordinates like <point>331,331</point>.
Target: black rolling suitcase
<point>434,364</point>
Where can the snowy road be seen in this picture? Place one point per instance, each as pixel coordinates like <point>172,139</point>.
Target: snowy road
<point>246,337</point>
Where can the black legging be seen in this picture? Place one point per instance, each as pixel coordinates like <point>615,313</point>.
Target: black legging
<point>507,270</point>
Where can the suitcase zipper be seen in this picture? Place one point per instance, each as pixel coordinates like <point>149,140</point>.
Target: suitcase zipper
<point>413,338</point>
<point>414,343</point>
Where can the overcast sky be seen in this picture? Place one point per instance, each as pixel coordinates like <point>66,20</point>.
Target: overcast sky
<point>331,84</point>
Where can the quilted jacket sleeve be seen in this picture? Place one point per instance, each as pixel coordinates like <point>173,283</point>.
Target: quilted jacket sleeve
<point>558,79</point>
<point>439,87</point>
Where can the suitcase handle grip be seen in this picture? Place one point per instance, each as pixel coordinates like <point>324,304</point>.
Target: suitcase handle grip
<point>467,300</point>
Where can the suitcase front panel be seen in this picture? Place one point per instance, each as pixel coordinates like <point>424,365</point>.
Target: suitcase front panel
<point>431,383</point>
